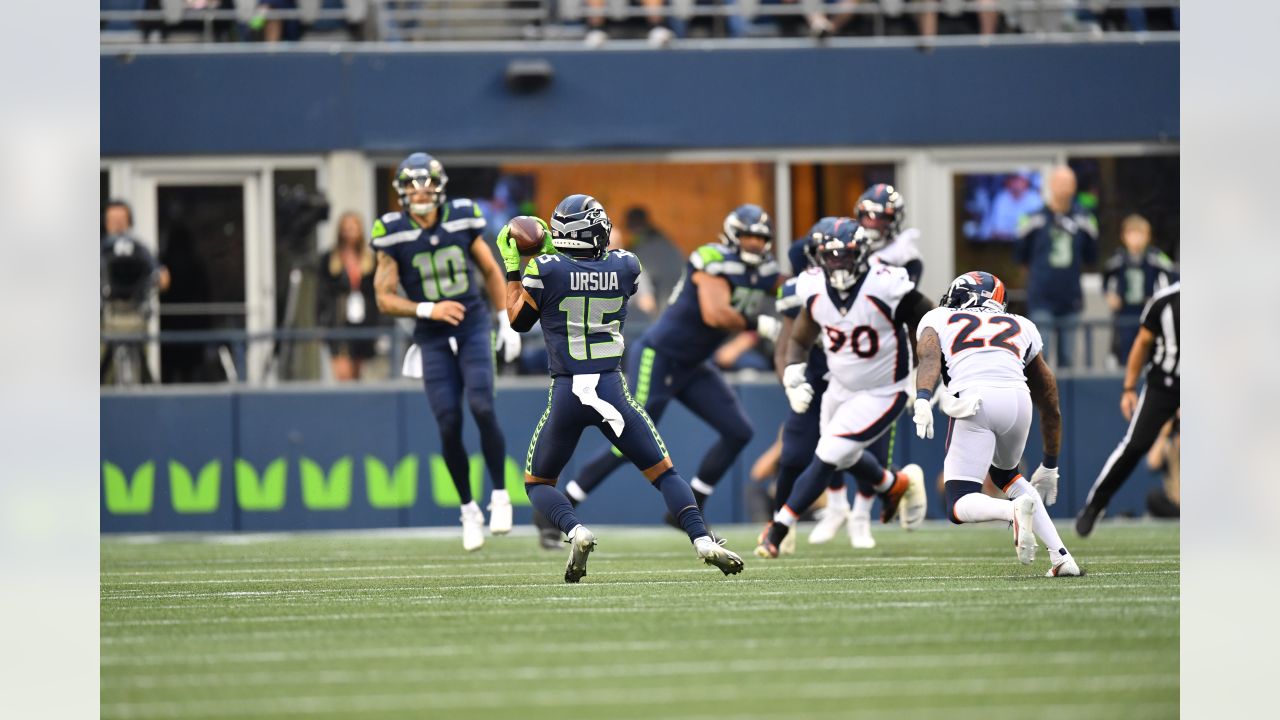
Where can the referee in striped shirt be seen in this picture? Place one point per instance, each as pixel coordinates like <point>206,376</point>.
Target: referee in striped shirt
<point>1157,344</point>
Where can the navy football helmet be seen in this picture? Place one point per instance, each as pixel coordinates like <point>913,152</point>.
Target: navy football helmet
<point>420,171</point>
<point>844,254</point>
<point>975,290</point>
<point>580,227</point>
<point>879,211</point>
<point>813,238</point>
<point>748,220</point>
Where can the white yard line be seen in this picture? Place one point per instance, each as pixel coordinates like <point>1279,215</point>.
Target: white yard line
<point>596,696</point>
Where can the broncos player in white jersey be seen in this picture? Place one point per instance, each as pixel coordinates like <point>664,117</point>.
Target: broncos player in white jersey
<point>995,372</point>
<point>861,311</point>
<point>880,212</point>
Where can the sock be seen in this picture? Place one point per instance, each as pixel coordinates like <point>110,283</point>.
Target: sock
<point>499,497</point>
<point>1041,522</point>
<point>787,475</point>
<point>778,531</point>
<point>553,505</point>
<point>867,472</point>
<point>976,507</point>
<point>785,516</point>
<point>809,486</point>
<point>862,504</point>
<point>886,482</point>
<point>701,491</point>
<point>837,497</point>
<point>680,503</point>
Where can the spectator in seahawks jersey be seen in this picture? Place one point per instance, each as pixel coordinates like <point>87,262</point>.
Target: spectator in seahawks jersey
<point>1133,274</point>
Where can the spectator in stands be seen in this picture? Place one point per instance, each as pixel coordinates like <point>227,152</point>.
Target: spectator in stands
<point>1011,206</point>
<point>660,35</point>
<point>1056,242</point>
<point>129,275</point>
<point>662,262</point>
<point>927,21</point>
<point>1132,275</point>
<point>345,297</point>
<point>276,29</point>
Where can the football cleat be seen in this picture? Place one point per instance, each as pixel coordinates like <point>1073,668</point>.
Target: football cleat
<point>831,518</point>
<point>1024,537</point>
<point>860,532</point>
<point>1086,519</point>
<point>1065,567</point>
<point>714,552</point>
<point>771,540</point>
<point>500,513</point>
<point>892,497</point>
<point>472,528</point>
<point>916,501</point>
<point>581,544</point>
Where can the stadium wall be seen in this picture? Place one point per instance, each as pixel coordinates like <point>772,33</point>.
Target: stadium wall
<point>379,100</point>
<point>259,460</point>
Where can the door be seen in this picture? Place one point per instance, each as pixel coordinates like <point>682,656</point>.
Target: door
<point>209,232</point>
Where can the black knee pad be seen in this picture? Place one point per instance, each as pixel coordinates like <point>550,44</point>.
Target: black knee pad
<point>957,489</point>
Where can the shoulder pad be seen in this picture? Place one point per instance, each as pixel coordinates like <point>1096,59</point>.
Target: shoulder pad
<point>467,216</point>
<point>709,258</point>
<point>391,229</point>
<point>1162,261</point>
<point>769,267</point>
<point>460,202</point>
<point>1087,222</point>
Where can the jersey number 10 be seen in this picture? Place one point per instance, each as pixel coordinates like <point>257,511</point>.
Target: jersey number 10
<point>585,316</point>
<point>444,272</point>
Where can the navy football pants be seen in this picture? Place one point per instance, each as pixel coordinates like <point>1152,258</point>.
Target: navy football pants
<point>446,377</point>
<point>701,388</point>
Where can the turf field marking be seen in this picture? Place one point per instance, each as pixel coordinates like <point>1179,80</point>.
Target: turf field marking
<point>995,688</point>
<point>773,665</point>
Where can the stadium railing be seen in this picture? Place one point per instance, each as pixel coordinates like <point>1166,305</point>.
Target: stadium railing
<point>475,20</point>
<point>1092,340</point>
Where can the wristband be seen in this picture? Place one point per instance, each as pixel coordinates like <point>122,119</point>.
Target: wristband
<point>424,310</point>
<point>924,394</point>
<point>1131,389</point>
<point>1050,461</point>
<point>513,276</point>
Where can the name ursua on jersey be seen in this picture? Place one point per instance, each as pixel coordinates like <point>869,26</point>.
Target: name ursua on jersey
<point>593,281</point>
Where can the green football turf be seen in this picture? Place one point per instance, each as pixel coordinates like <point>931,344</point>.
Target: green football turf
<point>938,623</point>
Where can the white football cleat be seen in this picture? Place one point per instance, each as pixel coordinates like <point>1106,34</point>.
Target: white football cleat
<point>830,519</point>
<point>1024,536</point>
<point>860,531</point>
<point>499,512</point>
<point>916,501</point>
<point>472,528</point>
<point>788,544</point>
<point>713,553</point>
<point>1065,567</point>
<point>581,542</point>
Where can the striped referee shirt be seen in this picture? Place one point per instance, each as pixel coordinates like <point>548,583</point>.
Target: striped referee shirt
<point>1160,316</point>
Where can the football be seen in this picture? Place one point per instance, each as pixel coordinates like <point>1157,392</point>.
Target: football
<point>527,233</point>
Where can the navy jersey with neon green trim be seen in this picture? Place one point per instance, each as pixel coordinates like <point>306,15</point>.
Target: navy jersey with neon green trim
<point>582,305</point>
<point>435,262</point>
<point>789,304</point>
<point>680,333</point>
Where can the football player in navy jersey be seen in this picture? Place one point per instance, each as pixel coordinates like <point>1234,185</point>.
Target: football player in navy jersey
<point>718,295</point>
<point>578,289</point>
<point>429,250</point>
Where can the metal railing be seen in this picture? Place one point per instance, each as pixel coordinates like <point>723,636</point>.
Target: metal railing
<point>469,20</point>
<point>1091,339</point>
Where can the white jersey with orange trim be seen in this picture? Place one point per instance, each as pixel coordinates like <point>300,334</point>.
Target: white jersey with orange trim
<point>902,249</point>
<point>866,349</point>
<point>983,348</point>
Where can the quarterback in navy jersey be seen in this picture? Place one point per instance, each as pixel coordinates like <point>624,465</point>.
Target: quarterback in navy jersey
<point>578,290</point>
<point>718,295</point>
<point>429,250</point>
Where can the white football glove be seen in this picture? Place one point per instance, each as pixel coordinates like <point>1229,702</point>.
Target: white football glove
<point>923,419</point>
<point>799,392</point>
<point>1045,481</point>
<point>508,340</point>
<point>768,327</point>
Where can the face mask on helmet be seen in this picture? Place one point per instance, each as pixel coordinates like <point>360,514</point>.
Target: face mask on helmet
<point>842,263</point>
<point>412,183</point>
<point>748,220</point>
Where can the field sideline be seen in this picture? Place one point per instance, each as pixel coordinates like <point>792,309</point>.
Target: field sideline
<point>938,623</point>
